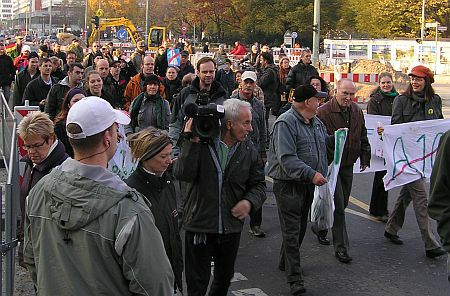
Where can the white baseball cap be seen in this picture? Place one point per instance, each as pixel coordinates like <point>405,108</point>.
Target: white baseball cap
<point>94,115</point>
<point>25,48</point>
<point>249,75</point>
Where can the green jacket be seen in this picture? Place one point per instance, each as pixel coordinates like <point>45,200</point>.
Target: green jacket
<point>439,204</point>
<point>88,233</point>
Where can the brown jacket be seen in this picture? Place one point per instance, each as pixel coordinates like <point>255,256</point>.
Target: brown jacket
<point>134,89</point>
<point>357,144</point>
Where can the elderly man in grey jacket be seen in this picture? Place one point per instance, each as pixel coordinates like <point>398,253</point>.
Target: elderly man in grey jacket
<point>297,161</point>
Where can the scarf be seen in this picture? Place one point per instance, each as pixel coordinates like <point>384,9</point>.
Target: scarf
<point>392,94</point>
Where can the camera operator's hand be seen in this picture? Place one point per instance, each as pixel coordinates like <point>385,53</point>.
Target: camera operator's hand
<point>188,130</point>
<point>241,209</point>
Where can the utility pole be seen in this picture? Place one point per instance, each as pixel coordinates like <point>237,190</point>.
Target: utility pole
<point>86,11</point>
<point>50,16</point>
<point>316,32</point>
<point>147,7</point>
<point>422,23</point>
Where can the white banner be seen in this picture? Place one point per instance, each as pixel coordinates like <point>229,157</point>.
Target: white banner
<point>410,150</point>
<point>322,208</point>
<point>376,144</point>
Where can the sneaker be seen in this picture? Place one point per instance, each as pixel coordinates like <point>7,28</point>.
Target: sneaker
<point>435,252</point>
<point>257,231</point>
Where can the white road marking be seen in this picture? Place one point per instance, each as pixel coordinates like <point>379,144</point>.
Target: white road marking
<point>238,277</point>
<point>249,292</point>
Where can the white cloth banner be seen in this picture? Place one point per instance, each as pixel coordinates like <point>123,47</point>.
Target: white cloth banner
<point>122,164</point>
<point>410,150</point>
<point>376,144</point>
<point>322,207</point>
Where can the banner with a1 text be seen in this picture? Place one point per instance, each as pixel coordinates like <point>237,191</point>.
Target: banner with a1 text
<point>410,150</point>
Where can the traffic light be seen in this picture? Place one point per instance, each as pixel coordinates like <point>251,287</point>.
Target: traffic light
<point>96,21</point>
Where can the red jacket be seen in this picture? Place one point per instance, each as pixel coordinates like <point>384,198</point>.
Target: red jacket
<point>239,50</point>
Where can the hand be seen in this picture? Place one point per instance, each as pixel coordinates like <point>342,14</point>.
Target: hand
<point>188,129</point>
<point>241,209</point>
<point>318,179</point>
<point>363,167</point>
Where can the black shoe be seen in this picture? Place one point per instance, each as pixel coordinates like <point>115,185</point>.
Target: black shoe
<point>323,240</point>
<point>343,257</point>
<point>297,288</point>
<point>393,238</point>
<point>257,231</point>
<point>435,252</point>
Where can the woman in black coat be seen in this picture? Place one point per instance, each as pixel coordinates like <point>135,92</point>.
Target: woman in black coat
<point>152,148</point>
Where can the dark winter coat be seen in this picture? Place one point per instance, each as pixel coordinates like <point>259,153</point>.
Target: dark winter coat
<point>416,108</point>
<point>172,87</point>
<point>226,80</point>
<point>269,84</point>
<point>61,134</point>
<point>7,70</point>
<point>380,104</point>
<point>212,193</point>
<point>37,90</point>
<point>299,75</point>
<point>21,82</point>
<point>186,69</point>
<point>357,143</point>
<point>160,191</point>
<point>55,97</point>
<point>161,64</point>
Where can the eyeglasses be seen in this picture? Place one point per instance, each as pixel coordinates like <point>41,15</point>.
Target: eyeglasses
<point>35,146</point>
<point>418,79</point>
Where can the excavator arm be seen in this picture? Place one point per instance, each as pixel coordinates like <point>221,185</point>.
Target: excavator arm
<point>115,22</point>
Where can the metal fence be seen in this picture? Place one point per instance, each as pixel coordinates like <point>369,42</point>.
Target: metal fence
<point>9,204</point>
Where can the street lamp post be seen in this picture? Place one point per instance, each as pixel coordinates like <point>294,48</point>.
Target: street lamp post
<point>147,7</point>
<point>422,24</point>
<point>50,16</point>
<point>316,32</point>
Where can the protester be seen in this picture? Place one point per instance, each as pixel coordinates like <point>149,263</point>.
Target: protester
<point>172,83</point>
<point>44,152</point>
<point>380,103</point>
<point>152,148</point>
<point>98,222</point>
<point>24,77</point>
<point>58,53</point>
<point>239,49</point>
<point>21,62</point>
<point>149,108</point>
<point>418,102</point>
<point>70,57</point>
<point>342,112</point>
<point>257,135</point>
<point>225,77</point>
<point>94,87</point>
<point>297,163</point>
<point>226,184</point>
<point>89,58</point>
<point>161,63</point>
<point>7,72</point>
<point>137,57</point>
<point>115,84</point>
<point>185,64</point>
<point>283,70</point>
<point>58,91</point>
<point>57,71</point>
<point>300,73</point>
<point>73,95</point>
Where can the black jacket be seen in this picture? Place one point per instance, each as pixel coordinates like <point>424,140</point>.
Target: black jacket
<point>33,174</point>
<point>380,104</point>
<point>227,80</point>
<point>56,96</point>
<point>171,88</point>
<point>37,90</point>
<point>212,193</point>
<point>21,82</point>
<point>115,89</point>
<point>299,74</point>
<point>160,191</point>
<point>415,108</point>
<point>61,134</point>
<point>186,69</point>
<point>161,64</point>
<point>7,70</point>
<point>269,84</point>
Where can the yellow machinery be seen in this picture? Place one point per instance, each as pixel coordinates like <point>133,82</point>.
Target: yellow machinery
<point>157,35</point>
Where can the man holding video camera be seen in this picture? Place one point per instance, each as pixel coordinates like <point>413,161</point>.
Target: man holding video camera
<point>226,182</point>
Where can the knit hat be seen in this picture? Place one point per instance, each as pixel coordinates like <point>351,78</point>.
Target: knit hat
<point>422,71</point>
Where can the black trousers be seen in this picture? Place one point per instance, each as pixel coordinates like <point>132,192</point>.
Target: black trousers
<point>220,248</point>
<point>256,218</point>
<point>293,200</point>
<point>379,199</point>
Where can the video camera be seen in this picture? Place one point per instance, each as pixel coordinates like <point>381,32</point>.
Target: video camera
<point>206,115</point>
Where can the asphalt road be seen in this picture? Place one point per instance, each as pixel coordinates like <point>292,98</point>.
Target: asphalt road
<point>378,267</point>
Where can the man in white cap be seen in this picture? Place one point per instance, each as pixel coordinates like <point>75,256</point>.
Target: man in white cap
<point>85,226</point>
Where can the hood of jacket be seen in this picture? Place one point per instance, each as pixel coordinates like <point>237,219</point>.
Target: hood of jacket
<point>80,193</point>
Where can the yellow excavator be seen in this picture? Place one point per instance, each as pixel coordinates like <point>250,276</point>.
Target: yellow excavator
<point>157,35</point>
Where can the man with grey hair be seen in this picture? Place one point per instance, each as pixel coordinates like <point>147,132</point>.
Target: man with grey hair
<point>297,163</point>
<point>300,73</point>
<point>227,183</point>
<point>342,112</point>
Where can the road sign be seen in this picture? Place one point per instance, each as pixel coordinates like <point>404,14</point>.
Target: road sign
<point>99,12</point>
<point>122,34</point>
<point>442,28</point>
<point>294,35</point>
<point>431,25</point>
<point>288,39</point>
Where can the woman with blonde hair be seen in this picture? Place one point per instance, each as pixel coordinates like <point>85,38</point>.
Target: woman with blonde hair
<point>152,149</point>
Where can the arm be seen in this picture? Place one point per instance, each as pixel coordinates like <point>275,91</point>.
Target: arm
<point>187,165</point>
<point>50,103</point>
<point>290,80</point>
<point>144,261</point>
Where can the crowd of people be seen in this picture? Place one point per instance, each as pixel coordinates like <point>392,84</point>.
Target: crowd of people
<point>98,234</point>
